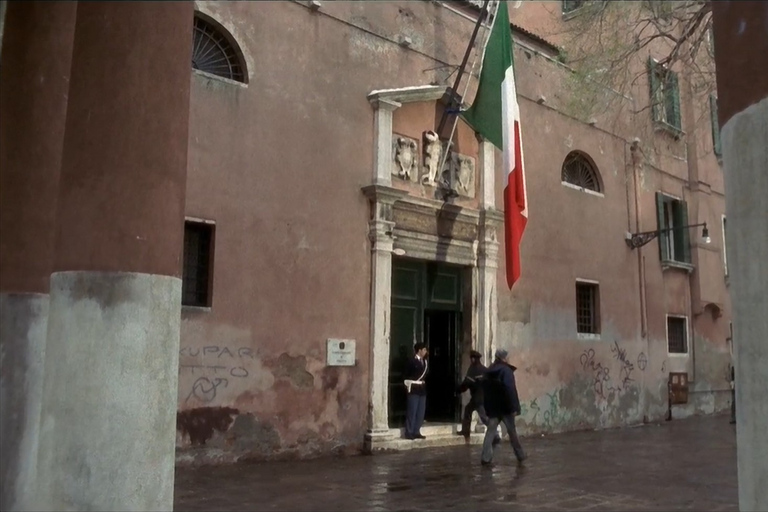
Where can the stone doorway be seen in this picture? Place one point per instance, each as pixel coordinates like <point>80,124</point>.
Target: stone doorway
<point>427,304</point>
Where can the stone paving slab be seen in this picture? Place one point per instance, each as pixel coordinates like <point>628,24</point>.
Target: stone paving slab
<point>681,465</point>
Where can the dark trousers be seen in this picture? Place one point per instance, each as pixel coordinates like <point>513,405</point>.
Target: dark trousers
<point>466,420</point>
<point>490,434</point>
<point>414,417</point>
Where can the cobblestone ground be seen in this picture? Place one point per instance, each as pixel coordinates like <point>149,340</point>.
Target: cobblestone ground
<point>681,465</point>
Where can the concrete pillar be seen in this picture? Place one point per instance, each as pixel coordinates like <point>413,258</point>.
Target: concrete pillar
<point>34,81</point>
<point>740,44</point>
<point>107,431</point>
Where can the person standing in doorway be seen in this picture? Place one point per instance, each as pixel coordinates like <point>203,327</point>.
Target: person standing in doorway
<point>415,385</point>
<point>472,382</point>
<point>502,404</point>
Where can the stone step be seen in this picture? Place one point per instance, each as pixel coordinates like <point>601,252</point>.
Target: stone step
<point>437,434</point>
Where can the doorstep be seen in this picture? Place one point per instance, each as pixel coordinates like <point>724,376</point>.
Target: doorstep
<point>437,435</point>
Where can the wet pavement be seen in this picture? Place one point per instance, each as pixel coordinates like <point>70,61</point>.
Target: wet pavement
<point>681,465</point>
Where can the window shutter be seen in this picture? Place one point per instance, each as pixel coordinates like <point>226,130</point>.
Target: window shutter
<point>653,81</point>
<point>674,90</point>
<point>682,236</point>
<point>663,252</point>
<point>715,125</point>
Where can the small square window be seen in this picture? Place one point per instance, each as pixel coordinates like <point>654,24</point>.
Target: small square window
<point>197,276</point>
<point>677,335</point>
<point>587,308</point>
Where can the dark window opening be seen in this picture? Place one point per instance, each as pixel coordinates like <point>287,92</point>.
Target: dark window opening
<point>674,245</point>
<point>578,170</point>
<point>198,258</point>
<point>716,144</point>
<point>587,308</point>
<point>572,5</point>
<point>213,52</point>
<point>677,335</point>
<point>665,96</point>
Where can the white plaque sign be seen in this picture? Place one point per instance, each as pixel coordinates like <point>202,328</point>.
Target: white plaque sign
<point>341,352</point>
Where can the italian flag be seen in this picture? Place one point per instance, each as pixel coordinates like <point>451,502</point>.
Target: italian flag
<point>495,115</point>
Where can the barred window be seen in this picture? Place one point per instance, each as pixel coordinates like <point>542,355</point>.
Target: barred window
<point>198,272</point>
<point>579,170</point>
<point>677,335</point>
<point>587,308</point>
<point>215,51</point>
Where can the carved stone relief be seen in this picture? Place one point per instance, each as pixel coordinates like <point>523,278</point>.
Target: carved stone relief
<point>462,173</point>
<point>433,153</point>
<point>405,159</point>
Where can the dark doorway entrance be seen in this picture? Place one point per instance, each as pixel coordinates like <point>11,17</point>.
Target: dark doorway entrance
<point>426,307</point>
<point>440,333</point>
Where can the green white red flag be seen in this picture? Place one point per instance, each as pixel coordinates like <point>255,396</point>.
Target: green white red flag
<point>495,114</point>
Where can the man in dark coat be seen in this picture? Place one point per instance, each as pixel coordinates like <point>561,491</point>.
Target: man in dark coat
<point>472,382</point>
<point>501,405</point>
<point>416,388</point>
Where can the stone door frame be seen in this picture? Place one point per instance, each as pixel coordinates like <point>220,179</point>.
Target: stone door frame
<point>387,233</point>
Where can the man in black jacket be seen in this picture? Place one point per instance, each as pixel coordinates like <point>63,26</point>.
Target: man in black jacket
<point>472,382</point>
<point>501,404</point>
<point>416,388</point>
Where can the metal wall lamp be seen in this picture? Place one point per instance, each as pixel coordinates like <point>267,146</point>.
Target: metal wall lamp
<point>635,240</point>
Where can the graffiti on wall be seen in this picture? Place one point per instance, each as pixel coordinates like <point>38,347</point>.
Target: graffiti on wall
<point>214,366</point>
<point>603,382</point>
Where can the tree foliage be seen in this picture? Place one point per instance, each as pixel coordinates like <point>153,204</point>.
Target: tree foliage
<point>609,44</point>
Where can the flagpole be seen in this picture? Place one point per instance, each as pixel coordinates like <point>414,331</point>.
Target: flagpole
<point>462,67</point>
<point>466,86</point>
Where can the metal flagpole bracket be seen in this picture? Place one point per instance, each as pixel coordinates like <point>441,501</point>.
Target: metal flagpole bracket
<point>637,240</point>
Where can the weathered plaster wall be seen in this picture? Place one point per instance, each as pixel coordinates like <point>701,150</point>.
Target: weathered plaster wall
<point>287,156</point>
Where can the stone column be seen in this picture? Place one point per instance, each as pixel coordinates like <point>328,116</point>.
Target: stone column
<point>488,254</point>
<point>34,82</point>
<point>742,84</point>
<point>107,430</point>
<point>381,235</point>
<point>382,134</point>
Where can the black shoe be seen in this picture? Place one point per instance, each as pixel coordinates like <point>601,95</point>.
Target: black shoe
<point>419,436</point>
<point>521,459</point>
<point>485,464</point>
<point>462,433</point>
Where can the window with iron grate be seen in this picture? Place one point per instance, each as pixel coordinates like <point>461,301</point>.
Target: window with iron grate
<point>197,276</point>
<point>677,335</point>
<point>215,52</point>
<point>578,170</point>
<point>587,308</point>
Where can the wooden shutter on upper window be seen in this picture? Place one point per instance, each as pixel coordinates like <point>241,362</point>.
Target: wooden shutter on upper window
<point>662,238</point>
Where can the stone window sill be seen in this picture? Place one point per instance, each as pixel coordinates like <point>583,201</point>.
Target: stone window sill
<point>678,265</point>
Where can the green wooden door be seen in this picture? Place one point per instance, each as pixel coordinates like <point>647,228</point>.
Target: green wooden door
<point>418,288</point>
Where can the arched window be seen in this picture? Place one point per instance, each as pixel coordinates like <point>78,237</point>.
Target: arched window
<point>579,170</point>
<point>214,51</point>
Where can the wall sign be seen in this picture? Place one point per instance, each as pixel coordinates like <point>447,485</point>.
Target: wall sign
<point>340,352</point>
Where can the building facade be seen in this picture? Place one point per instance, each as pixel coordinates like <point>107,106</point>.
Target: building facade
<point>311,176</point>
<point>327,228</point>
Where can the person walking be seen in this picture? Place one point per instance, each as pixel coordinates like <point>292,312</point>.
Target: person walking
<point>472,382</point>
<point>502,404</point>
<point>416,388</point>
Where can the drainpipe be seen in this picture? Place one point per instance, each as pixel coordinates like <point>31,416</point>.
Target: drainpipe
<point>692,159</point>
<point>635,155</point>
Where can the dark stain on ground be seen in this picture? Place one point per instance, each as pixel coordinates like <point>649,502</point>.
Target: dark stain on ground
<point>200,423</point>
